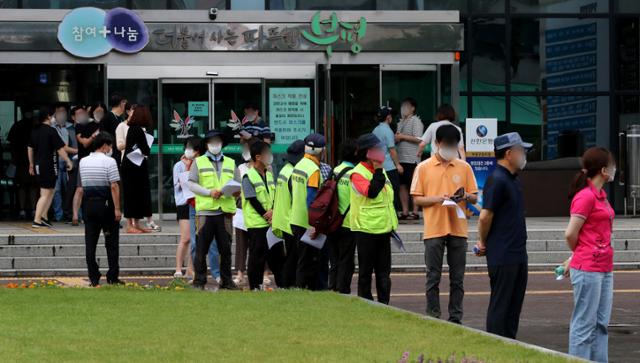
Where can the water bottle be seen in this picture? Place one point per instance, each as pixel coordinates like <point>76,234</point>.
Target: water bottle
<point>559,271</point>
<point>476,250</point>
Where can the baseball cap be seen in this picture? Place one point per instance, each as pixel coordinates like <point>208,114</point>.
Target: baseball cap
<point>295,152</point>
<point>367,141</point>
<point>214,133</point>
<point>315,140</point>
<point>510,139</point>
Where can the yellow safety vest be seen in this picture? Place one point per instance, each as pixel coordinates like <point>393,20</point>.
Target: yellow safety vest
<point>377,215</point>
<point>208,178</point>
<point>264,194</point>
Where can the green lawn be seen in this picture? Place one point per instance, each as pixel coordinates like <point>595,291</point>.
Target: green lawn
<point>126,325</point>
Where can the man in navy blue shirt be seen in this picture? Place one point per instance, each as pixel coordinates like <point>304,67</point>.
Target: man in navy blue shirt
<point>503,236</point>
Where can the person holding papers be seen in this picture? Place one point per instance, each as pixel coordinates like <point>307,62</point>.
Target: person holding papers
<point>282,212</point>
<point>372,217</point>
<point>135,174</point>
<point>305,182</point>
<point>214,210</point>
<point>441,185</point>
<point>258,191</point>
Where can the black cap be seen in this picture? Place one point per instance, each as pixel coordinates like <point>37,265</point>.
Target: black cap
<point>315,140</point>
<point>214,133</point>
<point>383,112</point>
<point>295,152</point>
<point>368,141</point>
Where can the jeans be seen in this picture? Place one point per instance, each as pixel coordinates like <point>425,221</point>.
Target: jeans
<point>457,261</point>
<point>61,186</point>
<point>214,263</point>
<point>592,301</point>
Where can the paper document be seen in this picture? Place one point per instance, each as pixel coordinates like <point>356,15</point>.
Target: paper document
<point>231,188</point>
<point>150,139</point>
<point>238,220</point>
<point>272,239</point>
<point>397,241</point>
<point>317,243</point>
<point>459,211</point>
<point>136,157</point>
<point>183,179</point>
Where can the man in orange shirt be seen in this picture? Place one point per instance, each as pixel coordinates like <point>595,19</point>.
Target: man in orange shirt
<point>435,181</point>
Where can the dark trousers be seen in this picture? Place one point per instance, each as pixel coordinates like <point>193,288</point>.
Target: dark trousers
<point>394,179</point>
<point>457,261</point>
<point>290,262</point>
<point>342,249</point>
<point>308,266</point>
<point>72,183</point>
<point>210,228</point>
<point>99,216</point>
<point>259,252</point>
<point>508,286</point>
<point>374,255</point>
<point>242,245</point>
<point>323,268</point>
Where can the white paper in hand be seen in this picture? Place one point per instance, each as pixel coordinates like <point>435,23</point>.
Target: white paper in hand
<point>150,139</point>
<point>183,179</point>
<point>272,239</point>
<point>459,211</point>
<point>231,188</point>
<point>397,241</point>
<point>136,157</point>
<point>318,242</point>
<point>238,220</point>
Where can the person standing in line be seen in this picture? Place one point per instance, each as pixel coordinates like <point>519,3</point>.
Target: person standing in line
<point>258,191</point>
<point>305,182</point>
<point>123,128</point>
<point>45,146</point>
<point>410,129</point>
<point>588,235</point>
<point>214,210</point>
<point>79,116</point>
<point>392,166</point>
<point>323,272</point>
<point>135,178</point>
<point>373,218</point>
<point>342,244</point>
<point>18,137</point>
<point>503,236</point>
<point>282,212</point>
<point>61,126</point>
<point>242,237</point>
<point>85,134</point>
<point>437,180</point>
<point>112,119</point>
<point>183,205</point>
<point>446,116</point>
<point>99,174</point>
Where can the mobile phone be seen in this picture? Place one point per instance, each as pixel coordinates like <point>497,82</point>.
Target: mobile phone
<point>458,195</point>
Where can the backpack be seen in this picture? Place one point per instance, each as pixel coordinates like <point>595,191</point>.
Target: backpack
<point>324,214</point>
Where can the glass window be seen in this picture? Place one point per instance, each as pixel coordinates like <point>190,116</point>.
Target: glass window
<point>70,4</point>
<point>488,55</point>
<point>560,54</point>
<point>628,54</point>
<point>9,4</point>
<point>560,6</point>
<point>526,119</point>
<point>460,5</point>
<point>627,6</point>
<point>487,6</point>
<point>247,4</point>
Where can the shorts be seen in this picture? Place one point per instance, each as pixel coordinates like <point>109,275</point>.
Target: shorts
<point>407,177</point>
<point>182,212</point>
<point>46,182</point>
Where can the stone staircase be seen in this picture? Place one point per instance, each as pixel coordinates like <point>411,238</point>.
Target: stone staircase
<point>63,254</point>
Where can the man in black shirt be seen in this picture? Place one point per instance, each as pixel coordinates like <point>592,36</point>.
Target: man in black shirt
<point>44,148</point>
<point>113,118</point>
<point>503,236</point>
<point>85,134</point>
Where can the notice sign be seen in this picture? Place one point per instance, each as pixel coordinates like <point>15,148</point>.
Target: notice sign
<point>480,133</point>
<point>290,113</point>
<point>198,108</point>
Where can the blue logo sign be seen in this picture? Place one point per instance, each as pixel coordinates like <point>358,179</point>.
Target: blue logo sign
<point>92,32</point>
<point>482,131</point>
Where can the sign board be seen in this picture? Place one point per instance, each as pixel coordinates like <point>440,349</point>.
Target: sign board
<point>200,108</point>
<point>480,133</point>
<point>91,32</point>
<point>290,113</point>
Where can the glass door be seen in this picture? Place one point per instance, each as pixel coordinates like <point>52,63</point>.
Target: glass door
<point>234,95</point>
<point>417,81</point>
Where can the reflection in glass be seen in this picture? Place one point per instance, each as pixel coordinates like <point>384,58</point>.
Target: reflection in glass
<point>560,6</point>
<point>488,54</point>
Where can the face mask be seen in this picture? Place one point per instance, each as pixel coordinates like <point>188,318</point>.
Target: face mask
<point>448,154</point>
<point>98,116</point>
<point>612,173</point>
<point>109,153</point>
<point>61,118</point>
<point>268,160</point>
<point>405,111</point>
<point>214,148</point>
<point>522,162</point>
<point>251,118</point>
<point>189,153</point>
<point>246,155</point>
<point>82,119</point>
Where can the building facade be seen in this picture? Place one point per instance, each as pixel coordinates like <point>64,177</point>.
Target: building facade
<point>563,73</point>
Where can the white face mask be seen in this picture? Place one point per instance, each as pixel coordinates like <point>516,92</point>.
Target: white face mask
<point>612,173</point>
<point>268,160</point>
<point>447,153</point>
<point>522,162</point>
<point>189,154</point>
<point>405,111</point>
<point>246,155</point>
<point>109,153</point>
<point>214,148</point>
<point>251,117</point>
<point>98,116</point>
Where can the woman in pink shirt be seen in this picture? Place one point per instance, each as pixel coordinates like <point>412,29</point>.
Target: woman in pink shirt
<point>589,237</point>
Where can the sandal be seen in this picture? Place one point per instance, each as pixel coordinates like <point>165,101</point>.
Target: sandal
<point>402,217</point>
<point>413,217</point>
<point>133,230</point>
<point>144,230</point>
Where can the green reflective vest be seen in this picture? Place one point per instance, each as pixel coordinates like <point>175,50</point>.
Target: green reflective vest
<point>377,215</point>
<point>264,194</point>
<point>344,191</point>
<point>208,178</point>
<point>282,201</point>
<point>299,181</point>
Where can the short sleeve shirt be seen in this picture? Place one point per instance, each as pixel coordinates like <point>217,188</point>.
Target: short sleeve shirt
<point>45,143</point>
<point>507,239</point>
<point>429,136</point>
<point>593,252</point>
<point>85,131</point>
<point>432,178</point>
<point>386,135</point>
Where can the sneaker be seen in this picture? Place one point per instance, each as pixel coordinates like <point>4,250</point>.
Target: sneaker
<point>177,275</point>
<point>47,223</point>
<point>153,226</point>
<point>35,224</point>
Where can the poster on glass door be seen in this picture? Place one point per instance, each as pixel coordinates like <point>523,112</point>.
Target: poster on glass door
<point>290,113</point>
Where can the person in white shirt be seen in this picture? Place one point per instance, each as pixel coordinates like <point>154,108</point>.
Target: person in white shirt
<point>123,127</point>
<point>446,116</point>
